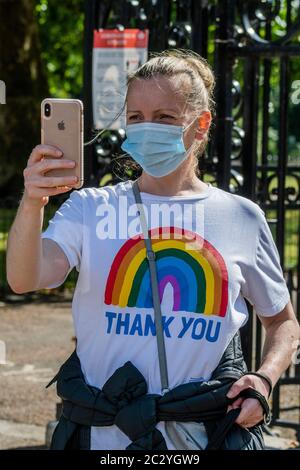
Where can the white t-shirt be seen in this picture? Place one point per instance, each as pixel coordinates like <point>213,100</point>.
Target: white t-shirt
<point>204,273</point>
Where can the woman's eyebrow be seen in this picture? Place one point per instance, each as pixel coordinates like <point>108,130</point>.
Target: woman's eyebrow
<point>155,110</point>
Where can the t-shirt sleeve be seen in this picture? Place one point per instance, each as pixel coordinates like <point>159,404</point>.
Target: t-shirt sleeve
<point>265,287</point>
<point>66,229</point>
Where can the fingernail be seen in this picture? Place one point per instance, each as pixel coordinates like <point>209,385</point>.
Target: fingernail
<point>74,178</point>
<point>58,152</point>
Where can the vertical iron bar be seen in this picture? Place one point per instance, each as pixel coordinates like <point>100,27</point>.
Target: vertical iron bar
<point>247,337</point>
<point>89,25</point>
<point>199,17</point>
<point>283,145</point>
<point>282,154</point>
<point>250,120</point>
<point>159,26</point>
<point>223,70</point>
<point>267,65</point>
<point>258,343</point>
<point>276,403</point>
<point>281,172</point>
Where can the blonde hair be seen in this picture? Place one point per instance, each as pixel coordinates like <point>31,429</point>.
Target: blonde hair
<point>196,74</point>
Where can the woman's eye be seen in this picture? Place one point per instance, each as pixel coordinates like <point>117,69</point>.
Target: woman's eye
<point>162,116</point>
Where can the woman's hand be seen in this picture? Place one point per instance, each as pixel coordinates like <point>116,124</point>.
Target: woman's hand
<point>251,410</point>
<point>39,186</point>
<point>281,342</point>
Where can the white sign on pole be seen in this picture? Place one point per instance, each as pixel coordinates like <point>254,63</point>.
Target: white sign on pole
<point>115,53</point>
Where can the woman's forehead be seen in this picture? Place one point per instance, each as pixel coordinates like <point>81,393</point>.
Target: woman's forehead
<point>162,91</point>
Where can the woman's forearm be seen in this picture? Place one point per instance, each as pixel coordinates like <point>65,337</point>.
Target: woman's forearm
<point>24,247</point>
<point>282,339</point>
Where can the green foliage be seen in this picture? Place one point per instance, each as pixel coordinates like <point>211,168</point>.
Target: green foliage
<point>26,84</point>
<point>61,34</point>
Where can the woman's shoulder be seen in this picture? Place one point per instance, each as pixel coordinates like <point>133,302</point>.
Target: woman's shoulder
<point>239,205</point>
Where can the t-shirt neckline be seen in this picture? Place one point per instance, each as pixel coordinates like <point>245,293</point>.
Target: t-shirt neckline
<point>196,196</point>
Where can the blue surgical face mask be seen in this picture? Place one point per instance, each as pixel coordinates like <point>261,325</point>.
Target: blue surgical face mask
<point>157,148</point>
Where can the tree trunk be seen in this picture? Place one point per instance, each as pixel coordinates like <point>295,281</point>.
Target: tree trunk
<point>22,70</point>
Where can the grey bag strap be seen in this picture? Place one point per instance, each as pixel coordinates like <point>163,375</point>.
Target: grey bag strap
<point>186,436</point>
<point>155,292</point>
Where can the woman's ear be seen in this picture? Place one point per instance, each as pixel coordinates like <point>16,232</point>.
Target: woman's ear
<point>204,122</point>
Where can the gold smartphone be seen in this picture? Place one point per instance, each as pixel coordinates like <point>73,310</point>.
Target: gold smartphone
<point>62,126</point>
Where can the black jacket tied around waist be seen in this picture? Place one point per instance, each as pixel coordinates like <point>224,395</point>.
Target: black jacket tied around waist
<point>124,402</point>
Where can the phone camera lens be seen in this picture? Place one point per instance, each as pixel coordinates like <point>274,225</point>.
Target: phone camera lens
<point>47,109</point>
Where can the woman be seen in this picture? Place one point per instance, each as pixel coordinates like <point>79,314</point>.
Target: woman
<point>212,250</point>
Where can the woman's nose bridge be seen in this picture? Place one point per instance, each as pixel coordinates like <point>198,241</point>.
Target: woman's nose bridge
<point>148,115</point>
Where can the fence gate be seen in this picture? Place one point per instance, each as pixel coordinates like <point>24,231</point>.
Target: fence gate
<point>254,49</point>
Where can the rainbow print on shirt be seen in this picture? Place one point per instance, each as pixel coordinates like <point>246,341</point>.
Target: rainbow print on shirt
<point>194,268</point>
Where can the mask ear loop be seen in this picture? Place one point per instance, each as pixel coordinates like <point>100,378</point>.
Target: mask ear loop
<point>184,129</point>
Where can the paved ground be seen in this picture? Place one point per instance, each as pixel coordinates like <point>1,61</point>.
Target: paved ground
<point>19,435</point>
<point>38,339</point>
